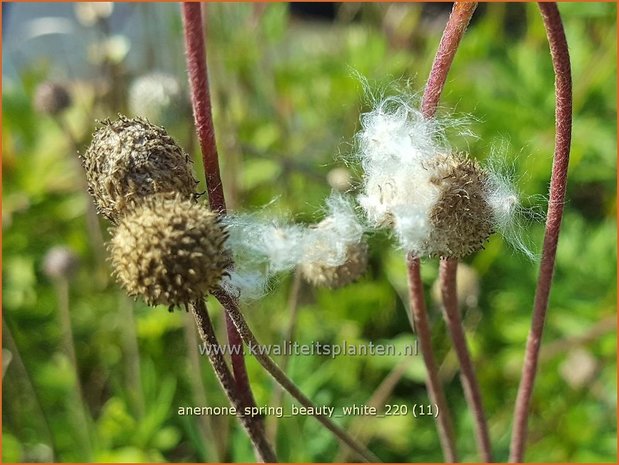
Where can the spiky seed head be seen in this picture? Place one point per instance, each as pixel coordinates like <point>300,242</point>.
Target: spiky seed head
<point>169,250</point>
<point>321,274</point>
<point>51,98</point>
<point>461,219</point>
<point>129,159</point>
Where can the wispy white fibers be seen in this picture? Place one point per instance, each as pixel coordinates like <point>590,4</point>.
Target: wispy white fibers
<point>264,247</point>
<point>403,158</point>
<point>395,145</point>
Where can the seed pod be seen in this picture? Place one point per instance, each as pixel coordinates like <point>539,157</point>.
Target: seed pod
<point>51,98</point>
<point>169,250</point>
<point>321,274</point>
<point>129,159</point>
<point>461,219</point>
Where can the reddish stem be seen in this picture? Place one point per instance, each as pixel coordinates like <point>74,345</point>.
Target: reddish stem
<point>558,183</point>
<point>201,102</point>
<point>433,383</point>
<point>254,429</point>
<point>452,35</point>
<point>451,313</point>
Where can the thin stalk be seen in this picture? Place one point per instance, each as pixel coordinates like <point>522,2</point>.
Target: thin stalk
<point>293,312</point>
<point>82,420</point>
<point>206,423</point>
<point>93,226</point>
<point>33,394</point>
<point>558,183</point>
<point>132,351</point>
<point>271,367</point>
<point>254,429</point>
<point>361,426</point>
<point>451,313</point>
<point>452,35</point>
<point>419,314</point>
<point>201,103</point>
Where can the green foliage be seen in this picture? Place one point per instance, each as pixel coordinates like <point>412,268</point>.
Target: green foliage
<point>286,108</point>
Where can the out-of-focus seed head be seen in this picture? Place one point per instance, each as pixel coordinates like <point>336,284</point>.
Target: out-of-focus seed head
<point>51,98</point>
<point>340,179</point>
<point>169,251</point>
<point>461,219</point>
<point>60,262</point>
<point>160,98</point>
<point>130,159</point>
<point>320,273</point>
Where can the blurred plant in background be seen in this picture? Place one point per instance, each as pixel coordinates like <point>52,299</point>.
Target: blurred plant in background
<point>286,106</point>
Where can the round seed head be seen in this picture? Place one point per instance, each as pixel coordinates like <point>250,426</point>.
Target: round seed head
<point>51,98</point>
<point>169,251</point>
<point>60,262</point>
<point>321,274</point>
<point>129,159</point>
<point>461,219</point>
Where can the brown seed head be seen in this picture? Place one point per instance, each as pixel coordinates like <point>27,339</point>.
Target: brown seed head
<point>129,159</point>
<point>461,218</point>
<point>51,98</point>
<point>321,274</point>
<point>169,250</point>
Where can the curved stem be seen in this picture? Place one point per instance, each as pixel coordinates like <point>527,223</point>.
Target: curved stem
<point>254,429</point>
<point>452,35</point>
<point>201,102</point>
<point>270,366</point>
<point>558,183</point>
<point>451,313</point>
<point>454,30</point>
<point>424,334</point>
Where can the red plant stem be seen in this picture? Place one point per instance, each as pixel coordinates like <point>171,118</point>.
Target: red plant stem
<point>201,102</point>
<point>433,383</point>
<point>452,35</point>
<point>451,313</point>
<point>278,375</point>
<point>558,183</point>
<point>254,428</point>
<point>454,30</point>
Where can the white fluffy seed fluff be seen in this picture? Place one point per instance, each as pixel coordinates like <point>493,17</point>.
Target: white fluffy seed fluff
<point>394,145</point>
<point>263,248</point>
<point>397,148</point>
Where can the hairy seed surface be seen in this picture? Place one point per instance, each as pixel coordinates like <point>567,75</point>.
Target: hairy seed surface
<point>130,159</point>
<point>169,251</point>
<point>461,219</point>
<point>321,274</point>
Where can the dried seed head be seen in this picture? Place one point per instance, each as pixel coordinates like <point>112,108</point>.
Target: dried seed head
<point>461,219</point>
<point>51,98</point>
<point>169,250</point>
<point>328,269</point>
<point>129,159</point>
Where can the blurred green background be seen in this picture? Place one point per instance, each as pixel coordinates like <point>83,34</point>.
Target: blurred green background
<point>286,107</point>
